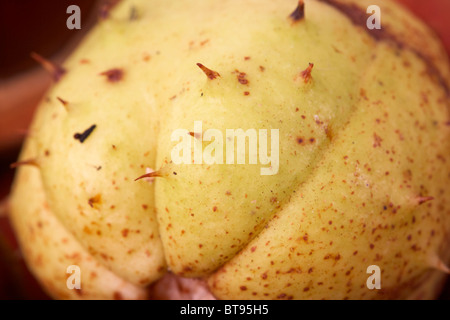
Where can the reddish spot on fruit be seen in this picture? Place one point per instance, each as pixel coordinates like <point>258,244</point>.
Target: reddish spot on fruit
<point>376,140</point>
<point>242,78</point>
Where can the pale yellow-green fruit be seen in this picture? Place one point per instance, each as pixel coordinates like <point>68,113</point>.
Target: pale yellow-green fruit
<point>364,167</point>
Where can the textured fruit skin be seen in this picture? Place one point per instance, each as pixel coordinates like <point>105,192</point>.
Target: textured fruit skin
<point>364,154</point>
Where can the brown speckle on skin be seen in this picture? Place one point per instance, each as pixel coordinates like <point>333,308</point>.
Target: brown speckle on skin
<point>242,77</point>
<point>125,233</point>
<point>376,140</point>
<point>209,73</point>
<point>113,75</point>
<point>301,141</point>
<point>55,70</point>
<point>363,94</point>
<point>146,57</point>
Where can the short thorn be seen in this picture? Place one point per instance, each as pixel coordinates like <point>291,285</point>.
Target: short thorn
<point>153,174</point>
<point>421,200</point>
<point>113,75</point>
<point>439,265</point>
<point>30,162</point>
<point>306,74</point>
<point>63,102</point>
<point>209,73</point>
<point>299,12</point>
<point>196,135</point>
<point>55,70</point>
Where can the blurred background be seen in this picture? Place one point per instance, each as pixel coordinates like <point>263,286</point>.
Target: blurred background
<point>40,26</point>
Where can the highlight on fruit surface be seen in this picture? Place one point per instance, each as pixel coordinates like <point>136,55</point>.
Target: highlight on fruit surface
<point>364,155</point>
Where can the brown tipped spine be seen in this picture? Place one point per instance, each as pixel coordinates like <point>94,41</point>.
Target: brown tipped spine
<point>29,162</point>
<point>196,135</point>
<point>155,174</point>
<point>299,12</point>
<point>55,70</point>
<point>209,73</point>
<point>422,200</point>
<point>306,74</point>
<point>113,75</point>
<point>63,102</point>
